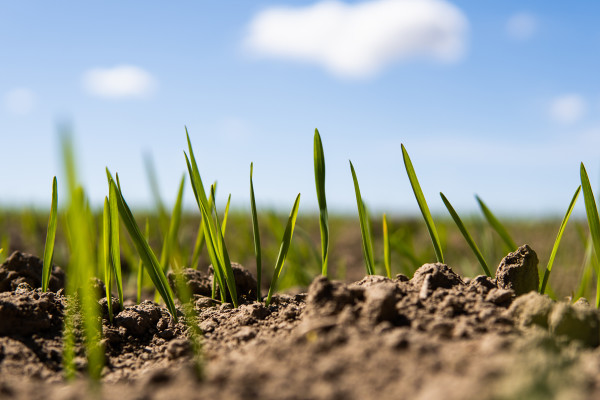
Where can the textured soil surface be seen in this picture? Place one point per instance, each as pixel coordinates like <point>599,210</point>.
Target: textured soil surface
<point>435,336</point>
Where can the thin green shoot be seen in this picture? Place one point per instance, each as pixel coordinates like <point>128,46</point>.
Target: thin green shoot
<point>593,222</point>
<point>256,235</point>
<point>106,259</point>
<point>414,182</point>
<point>386,248</point>
<point>319,159</point>
<point>557,241</point>
<point>214,239</point>
<point>496,225</point>
<point>226,214</point>
<point>145,252</point>
<point>283,249</point>
<point>140,270</point>
<point>170,240</point>
<point>466,235</point>
<point>363,218</point>
<point>200,238</point>
<point>50,239</point>
<point>115,244</point>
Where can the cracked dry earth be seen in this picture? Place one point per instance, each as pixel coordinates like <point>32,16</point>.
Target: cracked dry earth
<point>435,336</point>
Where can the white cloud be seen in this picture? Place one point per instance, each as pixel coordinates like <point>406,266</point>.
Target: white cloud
<point>568,108</point>
<point>521,26</point>
<point>20,101</point>
<point>359,40</point>
<point>119,82</point>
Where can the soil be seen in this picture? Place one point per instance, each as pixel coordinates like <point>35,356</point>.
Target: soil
<point>434,336</point>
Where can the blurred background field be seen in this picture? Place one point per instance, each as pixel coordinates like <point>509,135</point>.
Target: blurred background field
<point>25,230</point>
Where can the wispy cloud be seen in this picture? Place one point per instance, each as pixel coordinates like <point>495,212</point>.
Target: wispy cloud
<point>521,26</point>
<point>19,101</point>
<point>359,40</point>
<point>568,108</point>
<point>123,81</point>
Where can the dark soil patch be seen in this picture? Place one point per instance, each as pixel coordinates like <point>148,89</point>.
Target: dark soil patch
<point>434,336</point>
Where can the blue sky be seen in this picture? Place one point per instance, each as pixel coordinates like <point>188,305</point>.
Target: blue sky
<point>495,98</point>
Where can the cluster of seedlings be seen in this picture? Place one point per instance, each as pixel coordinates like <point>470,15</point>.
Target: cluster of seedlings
<point>82,306</point>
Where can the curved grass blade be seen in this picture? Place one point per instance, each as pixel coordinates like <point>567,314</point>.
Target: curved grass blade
<point>50,238</point>
<point>319,159</point>
<point>256,234</point>
<point>106,256</point>
<point>557,241</point>
<point>363,218</point>
<point>225,215</point>
<point>215,242</point>
<point>496,225</point>
<point>414,182</point>
<point>200,238</point>
<point>466,235</point>
<point>386,248</point>
<point>593,221</point>
<point>283,250</point>
<point>115,246</point>
<point>145,252</point>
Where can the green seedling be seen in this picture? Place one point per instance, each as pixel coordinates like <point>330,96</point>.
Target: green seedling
<point>106,259</point>
<point>115,246</point>
<point>215,242</point>
<point>557,241</point>
<point>414,182</point>
<point>365,230</point>
<point>143,248</point>
<point>593,222</point>
<point>466,235</point>
<point>50,239</point>
<point>283,250</point>
<point>256,235</point>
<point>200,237</point>
<point>496,225</point>
<point>319,159</point>
<point>386,249</point>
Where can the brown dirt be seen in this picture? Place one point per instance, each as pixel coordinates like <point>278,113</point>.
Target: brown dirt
<point>434,336</point>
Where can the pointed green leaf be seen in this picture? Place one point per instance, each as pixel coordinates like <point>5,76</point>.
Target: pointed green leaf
<point>363,218</point>
<point>593,221</point>
<point>256,234</point>
<point>50,238</point>
<point>496,225</point>
<point>414,182</point>
<point>319,160</point>
<point>466,235</point>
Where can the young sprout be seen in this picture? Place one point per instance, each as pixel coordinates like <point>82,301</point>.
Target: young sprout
<point>145,252</point>
<point>115,244</point>
<point>283,250</point>
<point>496,225</point>
<point>414,182</point>
<point>50,238</point>
<point>215,242</point>
<point>365,230</point>
<point>593,221</point>
<point>200,237</point>
<point>106,258</point>
<point>557,241</point>
<point>386,248</point>
<point>319,159</point>
<point>466,235</point>
<point>256,234</point>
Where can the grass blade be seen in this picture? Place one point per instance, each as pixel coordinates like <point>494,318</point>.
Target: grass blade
<point>50,238</point>
<point>145,252</point>
<point>414,182</point>
<point>496,225</point>
<point>283,250</point>
<point>115,246</point>
<point>106,256</point>
<point>225,215</point>
<point>319,159</point>
<point>140,270</point>
<point>593,222</point>
<point>200,238</point>
<point>212,231</point>
<point>363,218</point>
<point>386,248</point>
<point>466,235</point>
<point>256,234</point>
<point>557,241</point>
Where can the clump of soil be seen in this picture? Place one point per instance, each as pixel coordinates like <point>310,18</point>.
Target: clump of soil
<point>437,335</point>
